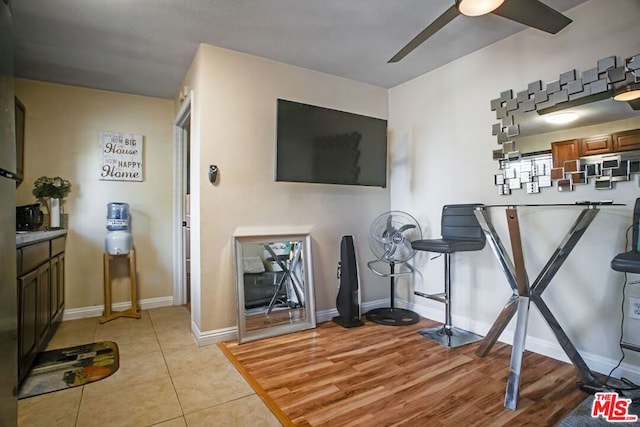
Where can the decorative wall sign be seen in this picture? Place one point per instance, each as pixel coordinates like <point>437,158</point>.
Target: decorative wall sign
<point>121,157</point>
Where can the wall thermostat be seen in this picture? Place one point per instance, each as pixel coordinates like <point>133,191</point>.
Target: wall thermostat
<point>213,173</point>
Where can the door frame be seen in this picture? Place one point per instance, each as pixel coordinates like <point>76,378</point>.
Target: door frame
<point>180,138</point>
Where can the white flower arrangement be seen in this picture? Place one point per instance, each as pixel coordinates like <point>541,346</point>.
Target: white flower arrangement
<point>45,188</point>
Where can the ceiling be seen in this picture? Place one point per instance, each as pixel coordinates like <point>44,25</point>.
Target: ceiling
<point>146,46</point>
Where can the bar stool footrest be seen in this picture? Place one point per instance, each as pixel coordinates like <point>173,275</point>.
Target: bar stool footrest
<point>441,297</point>
<point>630,346</point>
<point>450,337</point>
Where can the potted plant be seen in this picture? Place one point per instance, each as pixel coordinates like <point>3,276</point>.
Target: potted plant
<point>51,193</point>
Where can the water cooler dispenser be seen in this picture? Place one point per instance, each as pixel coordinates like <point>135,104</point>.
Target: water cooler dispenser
<point>118,246</point>
<point>118,240</point>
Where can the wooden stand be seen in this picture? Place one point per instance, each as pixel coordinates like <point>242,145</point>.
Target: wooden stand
<point>131,312</point>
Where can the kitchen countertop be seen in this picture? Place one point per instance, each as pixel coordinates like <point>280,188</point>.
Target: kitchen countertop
<point>28,237</point>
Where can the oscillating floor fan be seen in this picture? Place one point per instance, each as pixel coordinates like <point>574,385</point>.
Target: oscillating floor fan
<point>390,238</point>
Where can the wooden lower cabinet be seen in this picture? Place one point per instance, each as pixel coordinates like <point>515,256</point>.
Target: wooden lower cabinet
<point>27,321</point>
<point>43,302</point>
<point>56,289</point>
<point>40,301</point>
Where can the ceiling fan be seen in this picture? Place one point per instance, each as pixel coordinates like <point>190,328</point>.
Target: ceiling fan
<point>533,13</point>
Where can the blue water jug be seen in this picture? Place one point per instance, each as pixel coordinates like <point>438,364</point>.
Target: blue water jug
<point>118,216</point>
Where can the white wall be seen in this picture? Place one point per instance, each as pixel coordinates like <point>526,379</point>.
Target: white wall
<point>440,126</point>
<point>234,127</point>
<point>61,139</point>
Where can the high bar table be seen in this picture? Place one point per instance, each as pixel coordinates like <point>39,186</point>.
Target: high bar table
<point>523,293</point>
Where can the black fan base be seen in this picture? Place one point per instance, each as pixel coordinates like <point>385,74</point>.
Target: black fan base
<point>393,316</point>
<point>345,322</point>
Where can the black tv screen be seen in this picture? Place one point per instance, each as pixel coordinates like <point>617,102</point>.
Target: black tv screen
<point>321,145</point>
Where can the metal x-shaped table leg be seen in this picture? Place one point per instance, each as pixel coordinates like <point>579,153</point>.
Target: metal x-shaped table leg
<point>523,294</point>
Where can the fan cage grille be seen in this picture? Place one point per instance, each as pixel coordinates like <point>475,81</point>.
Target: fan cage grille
<point>391,234</point>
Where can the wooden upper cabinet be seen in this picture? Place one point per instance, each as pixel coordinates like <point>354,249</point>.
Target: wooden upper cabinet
<point>599,144</point>
<point>562,151</point>
<point>627,140</point>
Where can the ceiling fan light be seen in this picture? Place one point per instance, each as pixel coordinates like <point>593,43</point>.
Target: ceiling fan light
<point>478,7</point>
<point>627,93</point>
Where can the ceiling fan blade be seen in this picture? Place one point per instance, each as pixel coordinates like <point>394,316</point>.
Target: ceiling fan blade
<point>634,103</point>
<point>436,25</point>
<point>533,13</point>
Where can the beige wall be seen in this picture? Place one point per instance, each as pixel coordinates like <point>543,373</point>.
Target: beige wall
<point>443,118</point>
<point>61,138</point>
<point>234,127</point>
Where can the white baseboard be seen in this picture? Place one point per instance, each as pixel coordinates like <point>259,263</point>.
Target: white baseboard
<point>202,338</point>
<point>231,333</point>
<point>96,310</point>
<point>214,336</point>
<point>326,315</point>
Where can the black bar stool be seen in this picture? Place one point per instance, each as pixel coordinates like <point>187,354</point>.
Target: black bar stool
<point>629,262</point>
<point>460,232</point>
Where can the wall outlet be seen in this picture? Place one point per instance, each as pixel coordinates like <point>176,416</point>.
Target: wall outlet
<point>634,308</point>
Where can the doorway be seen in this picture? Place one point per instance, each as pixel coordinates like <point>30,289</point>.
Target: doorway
<point>187,213</point>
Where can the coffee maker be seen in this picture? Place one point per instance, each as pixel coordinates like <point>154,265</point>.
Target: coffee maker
<point>29,217</point>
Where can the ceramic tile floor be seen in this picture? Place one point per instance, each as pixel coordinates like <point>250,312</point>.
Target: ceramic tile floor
<point>164,379</point>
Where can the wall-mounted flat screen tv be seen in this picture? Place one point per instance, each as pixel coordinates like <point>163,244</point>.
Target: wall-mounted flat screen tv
<point>321,145</point>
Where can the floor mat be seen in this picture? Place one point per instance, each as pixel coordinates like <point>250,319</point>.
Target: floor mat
<point>70,367</point>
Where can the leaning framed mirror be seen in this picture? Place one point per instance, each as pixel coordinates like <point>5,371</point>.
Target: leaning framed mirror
<point>274,283</point>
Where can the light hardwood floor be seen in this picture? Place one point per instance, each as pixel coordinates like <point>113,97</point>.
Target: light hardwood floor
<point>383,375</point>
